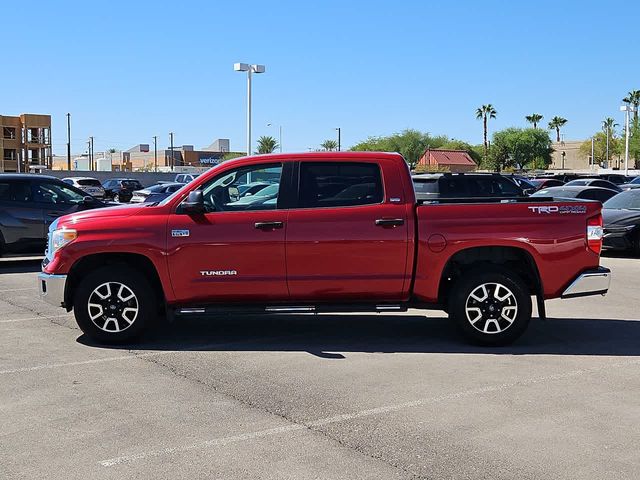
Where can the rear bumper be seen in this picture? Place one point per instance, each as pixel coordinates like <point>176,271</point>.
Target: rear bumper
<point>51,288</point>
<point>590,282</point>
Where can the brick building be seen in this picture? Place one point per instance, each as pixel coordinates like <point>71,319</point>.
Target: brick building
<point>450,160</point>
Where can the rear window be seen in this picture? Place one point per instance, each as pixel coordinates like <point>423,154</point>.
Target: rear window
<point>425,185</point>
<point>89,182</point>
<point>130,184</point>
<point>333,184</point>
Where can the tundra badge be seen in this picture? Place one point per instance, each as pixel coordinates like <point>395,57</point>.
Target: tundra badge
<point>180,233</point>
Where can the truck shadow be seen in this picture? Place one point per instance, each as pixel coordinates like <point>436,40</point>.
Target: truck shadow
<point>331,336</point>
<point>10,265</point>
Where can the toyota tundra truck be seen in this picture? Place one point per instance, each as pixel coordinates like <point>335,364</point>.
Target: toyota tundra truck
<point>328,232</point>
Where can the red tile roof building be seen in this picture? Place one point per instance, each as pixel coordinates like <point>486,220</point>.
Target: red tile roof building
<point>452,160</point>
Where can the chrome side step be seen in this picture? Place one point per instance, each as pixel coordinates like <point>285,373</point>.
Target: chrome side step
<point>277,309</point>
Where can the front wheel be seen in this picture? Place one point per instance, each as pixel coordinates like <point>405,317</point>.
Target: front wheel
<point>116,198</point>
<point>491,307</point>
<point>114,304</point>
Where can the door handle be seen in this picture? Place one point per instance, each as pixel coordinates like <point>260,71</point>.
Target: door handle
<point>268,225</point>
<point>389,222</point>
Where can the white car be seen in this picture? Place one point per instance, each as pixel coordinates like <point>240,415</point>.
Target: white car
<point>185,177</point>
<point>91,186</point>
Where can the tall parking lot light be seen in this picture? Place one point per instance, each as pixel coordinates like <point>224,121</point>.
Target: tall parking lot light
<point>626,109</point>
<point>250,69</point>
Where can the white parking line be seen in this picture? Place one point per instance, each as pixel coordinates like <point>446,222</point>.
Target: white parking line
<point>35,318</point>
<point>352,416</point>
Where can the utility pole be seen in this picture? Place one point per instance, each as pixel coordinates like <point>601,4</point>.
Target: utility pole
<point>171,149</point>
<point>593,160</point>
<point>155,152</point>
<point>338,129</point>
<point>91,161</point>
<point>69,141</point>
<point>89,152</point>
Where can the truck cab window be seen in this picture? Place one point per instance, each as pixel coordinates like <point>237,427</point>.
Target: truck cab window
<point>229,193</point>
<point>339,184</point>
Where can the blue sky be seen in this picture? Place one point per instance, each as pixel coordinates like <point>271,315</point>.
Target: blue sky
<point>129,70</point>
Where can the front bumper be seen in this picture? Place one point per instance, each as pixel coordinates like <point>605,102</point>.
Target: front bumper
<point>591,282</point>
<point>51,288</point>
<point>620,238</point>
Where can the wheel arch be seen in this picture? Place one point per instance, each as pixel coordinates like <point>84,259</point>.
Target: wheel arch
<point>515,259</point>
<point>90,263</point>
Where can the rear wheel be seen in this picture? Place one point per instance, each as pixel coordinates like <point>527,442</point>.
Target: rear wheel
<point>491,307</point>
<point>116,198</point>
<point>114,304</point>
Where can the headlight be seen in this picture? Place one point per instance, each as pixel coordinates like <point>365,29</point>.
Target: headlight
<point>59,238</point>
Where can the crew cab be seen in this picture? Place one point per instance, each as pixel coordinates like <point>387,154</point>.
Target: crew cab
<point>343,232</point>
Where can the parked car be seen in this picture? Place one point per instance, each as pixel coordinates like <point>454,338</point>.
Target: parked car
<point>578,192</point>
<point>621,217</point>
<point>464,185</point>
<point>368,246</point>
<point>540,183</point>
<point>616,178</point>
<point>186,177</point>
<point>594,182</point>
<point>524,183</point>
<point>121,189</point>
<point>155,193</point>
<point>30,203</point>
<point>633,184</point>
<point>91,186</point>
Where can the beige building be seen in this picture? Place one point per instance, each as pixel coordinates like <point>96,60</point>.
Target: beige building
<point>25,142</point>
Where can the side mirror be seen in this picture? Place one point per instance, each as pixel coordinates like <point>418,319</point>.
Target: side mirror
<point>194,203</point>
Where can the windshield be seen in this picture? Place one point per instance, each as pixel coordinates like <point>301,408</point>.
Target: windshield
<point>635,181</point>
<point>130,184</point>
<point>89,182</point>
<point>627,200</point>
<point>556,192</point>
<point>57,193</point>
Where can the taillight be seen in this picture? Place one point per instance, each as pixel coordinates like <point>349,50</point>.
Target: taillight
<point>595,233</point>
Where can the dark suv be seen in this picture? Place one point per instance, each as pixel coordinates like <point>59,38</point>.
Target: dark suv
<point>121,189</point>
<point>30,203</point>
<point>464,185</point>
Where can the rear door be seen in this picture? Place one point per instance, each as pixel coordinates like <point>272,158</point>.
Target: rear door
<point>347,238</point>
<point>21,220</point>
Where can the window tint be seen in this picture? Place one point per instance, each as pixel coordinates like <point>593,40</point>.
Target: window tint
<point>56,193</point>
<point>425,185</point>
<point>452,186</point>
<point>222,193</point>
<point>333,184</point>
<point>628,199</point>
<point>600,195</point>
<point>89,182</point>
<point>15,192</point>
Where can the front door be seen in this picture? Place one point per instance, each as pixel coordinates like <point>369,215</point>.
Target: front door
<point>234,252</point>
<point>346,240</point>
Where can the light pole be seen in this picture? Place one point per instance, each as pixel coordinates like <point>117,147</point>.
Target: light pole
<point>171,149</point>
<point>69,141</point>
<point>626,109</point>
<point>155,152</point>
<point>593,160</point>
<point>250,69</point>
<point>338,130</point>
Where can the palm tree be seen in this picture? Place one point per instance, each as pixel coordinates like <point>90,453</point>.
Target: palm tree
<point>633,98</point>
<point>556,124</point>
<point>534,118</point>
<point>267,144</point>
<point>329,145</point>
<point>485,112</point>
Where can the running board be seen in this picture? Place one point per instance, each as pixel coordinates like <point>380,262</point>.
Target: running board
<point>278,309</point>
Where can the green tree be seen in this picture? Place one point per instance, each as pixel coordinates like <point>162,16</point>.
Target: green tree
<point>609,128</point>
<point>556,124</point>
<point>534,118</point>
<point>411,144</point>
<point>520,148</point>
<point>329,145</point>
<point>616,147</point>
<point>633,98</point>
<point>485,112</point>
<point>267,145</point>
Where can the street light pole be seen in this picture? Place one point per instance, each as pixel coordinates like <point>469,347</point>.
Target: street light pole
<point>593,162</point>
<point>155,152</point>
<point>250,69</point>
<point>279,136</point>
<point>626,109</point>
<point>69,141</point>
<point>171,150</point>
<point>338,129</point>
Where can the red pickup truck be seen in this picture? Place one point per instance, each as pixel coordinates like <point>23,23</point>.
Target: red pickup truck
<point>326,232</point>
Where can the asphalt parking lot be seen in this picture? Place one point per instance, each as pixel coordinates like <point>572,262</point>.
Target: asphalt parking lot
<point>339,397</point>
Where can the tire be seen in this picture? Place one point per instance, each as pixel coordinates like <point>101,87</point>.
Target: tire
<point>491,307</point>
<point>116,198</point>
<point>123,292</point>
